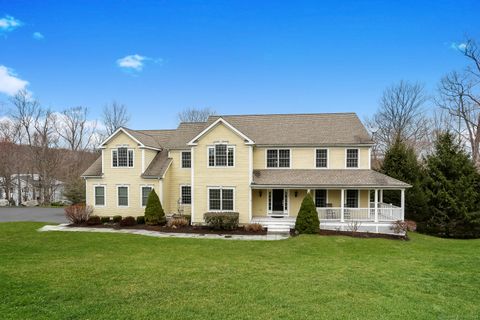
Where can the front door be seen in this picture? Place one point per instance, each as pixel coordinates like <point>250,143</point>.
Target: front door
<point>277,201</point>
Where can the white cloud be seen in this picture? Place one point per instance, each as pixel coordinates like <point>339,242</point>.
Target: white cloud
<point>458,46</point>
<point>10,84</point>
<point>135,62</point>
<point>38,36</point>
<point>9,23</point>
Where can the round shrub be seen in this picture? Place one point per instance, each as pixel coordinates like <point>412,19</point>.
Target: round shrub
<point>222,220</point>
<point>307,219</point>
<point>154,214</point>
<point>140,220</point>
<point>128,221</point>
<point>93,220</point>
<point>117,219</point>
<point>105,219</point>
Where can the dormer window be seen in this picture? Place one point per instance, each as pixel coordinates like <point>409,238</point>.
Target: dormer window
<point>221,155</point>
<point>122,157</point>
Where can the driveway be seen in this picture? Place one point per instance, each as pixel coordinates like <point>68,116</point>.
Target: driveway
<point>32,214</point>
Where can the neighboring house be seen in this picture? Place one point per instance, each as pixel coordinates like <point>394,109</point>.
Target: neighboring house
<point>260,166</point>
<point>31,189</point>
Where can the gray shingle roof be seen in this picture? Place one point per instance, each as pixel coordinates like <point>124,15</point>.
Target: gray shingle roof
<point>158,166</point>
<point>95,169</point>
<point>185,132</point>
<point>324,178</point>
<point>300,129</point>
<point>152,138</point>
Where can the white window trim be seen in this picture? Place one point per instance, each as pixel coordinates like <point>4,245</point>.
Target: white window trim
<point>126,167</point>
<point>181,159</point>
<point>222,167</point>
<point>278,153</point>
<point>185,185</point>
<point>141,194</point>
<point>128,195</point>
<point>104,196</point>
<point>221,188</point>
<point>315,159</point>
<point>358,160</point>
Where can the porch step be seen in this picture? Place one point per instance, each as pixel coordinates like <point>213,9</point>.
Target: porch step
<point>278,228</point>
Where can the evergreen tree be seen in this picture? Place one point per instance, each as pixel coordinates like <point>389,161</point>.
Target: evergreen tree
<point>307,218</point>
<point>401,163</point>
<point>154,213</point>
<point>453,191</point>
<point>75,190</point>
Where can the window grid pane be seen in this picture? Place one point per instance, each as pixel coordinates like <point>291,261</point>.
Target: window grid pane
<point>352,199</point>
<point>186,160</point>
<point>221,155</point>
<point>99,196</point>
<point>122,196</point>
<point>130,158</point>
<point>230,157</point>
<point>272,158</point>
<point>284,158</point>
<point>186,197</point>
<point>352,158</point>
<point>145,192</point>
<point>211,156</point>
<point>114,158</point>
<point>214,196</point>
<point>227,199</point>
<point>122,157</point>
<point>320,198</point>
<point>321,158</point>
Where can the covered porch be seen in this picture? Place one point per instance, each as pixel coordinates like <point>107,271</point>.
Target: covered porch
<point>345,202</point>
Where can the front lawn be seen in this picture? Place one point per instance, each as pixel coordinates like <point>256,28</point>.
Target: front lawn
<point>89,275</point>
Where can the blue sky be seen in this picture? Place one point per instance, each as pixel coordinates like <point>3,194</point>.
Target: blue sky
<point>236,57</point>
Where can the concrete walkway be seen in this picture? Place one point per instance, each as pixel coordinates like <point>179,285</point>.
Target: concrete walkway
<point>158,234</point>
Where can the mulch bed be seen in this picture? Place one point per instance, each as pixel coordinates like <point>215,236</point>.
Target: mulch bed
<point>189,229</point>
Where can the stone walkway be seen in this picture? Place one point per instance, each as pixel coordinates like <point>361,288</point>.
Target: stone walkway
<point>158,234</point>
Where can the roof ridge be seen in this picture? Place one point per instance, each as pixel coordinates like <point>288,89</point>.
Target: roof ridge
<point>283,114</point>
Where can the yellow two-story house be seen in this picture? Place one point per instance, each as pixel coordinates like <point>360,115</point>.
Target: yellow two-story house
<point>260,166</point>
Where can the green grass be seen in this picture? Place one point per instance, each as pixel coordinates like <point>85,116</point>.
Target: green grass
<point>83,275</point>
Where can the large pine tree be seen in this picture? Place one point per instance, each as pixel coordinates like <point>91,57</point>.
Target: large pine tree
<point>401,163</point>
<point>453,190</point>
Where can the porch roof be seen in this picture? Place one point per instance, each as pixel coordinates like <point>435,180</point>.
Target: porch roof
<point>310,178</point>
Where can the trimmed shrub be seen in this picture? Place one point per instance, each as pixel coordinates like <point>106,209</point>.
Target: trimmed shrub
<point>128,221</point>
<point>222,220</point>
<point>307,219</point>
<point>93,220</point>
<point>253,227</point>
<point>105,219</point>
<point>78,213</point>
<point>140,220</point>
<point>117,219</point>
<point>154,214</point>
<point>178,223</point>
<point>184,216</point>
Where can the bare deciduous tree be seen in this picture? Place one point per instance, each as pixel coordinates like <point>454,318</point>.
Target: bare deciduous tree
<point>401,115</point>
<point>115,115</point>
<point>459,95</point>
<point>25,111</point>
<point>195,115</point>
<point>74,129</point>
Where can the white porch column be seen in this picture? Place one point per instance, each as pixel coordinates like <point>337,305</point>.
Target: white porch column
<point>380,196</point>
<point>402,204</point>
<point>342,209</point>
<point>376,205</point>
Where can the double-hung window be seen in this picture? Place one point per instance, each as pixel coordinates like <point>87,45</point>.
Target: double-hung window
<point>145,193</point>
<point>320,198</point>
<point>220,199</point>
<point>221,155</point>
<point>186,195</point>
<point>352,158</point>
<point>122,157</point>
<point>122,196</point>
<point>99,196</point>
<point>278,158</point>
<point>321,158</point>
<point>352,199</point>
<point>186,159</point>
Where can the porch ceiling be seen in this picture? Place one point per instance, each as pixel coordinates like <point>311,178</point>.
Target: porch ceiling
<point>329,178</point>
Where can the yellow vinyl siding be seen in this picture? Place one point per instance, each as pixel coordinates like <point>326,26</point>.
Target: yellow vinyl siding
<point>296,202</point>
<point>175,177</point>
<point>304,158</point>
<point>236,177</point>
<point>114,177</point>
<point>259,204</point>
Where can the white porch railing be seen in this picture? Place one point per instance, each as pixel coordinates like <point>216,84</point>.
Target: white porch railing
<point>386,212</point>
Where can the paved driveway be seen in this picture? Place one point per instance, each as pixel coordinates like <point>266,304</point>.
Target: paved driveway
<point>32,214</point>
